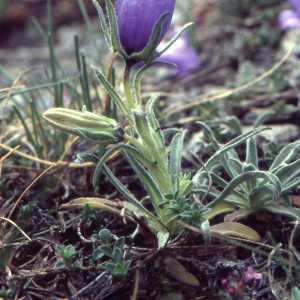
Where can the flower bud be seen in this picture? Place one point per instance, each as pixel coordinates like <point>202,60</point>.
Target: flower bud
<point>136,20</point>
<point>91,126</point>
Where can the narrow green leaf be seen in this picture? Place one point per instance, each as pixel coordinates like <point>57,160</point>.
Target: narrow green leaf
<point>173,40</point>
<point>126,148</point>
<point>220,208</point>
<point>115,41</point>
<point>288,172</point>
<point>262,118</point>
<point>234,123</point>
<point>250,184</point>
<point>178,272</point>
<point>251,152</point>
<point>170,131</point>
<point>86,157</point>
<point>143,127</point>
<point>242,178</point>
<point>154,123</point>
<point>85,82</point>
<point>290,185</point>
<point>276,208</point>
<point>103,23</point>
<point>147,53</point>
<point>259,195</point>
<point>153,222</point>
<point>284,156</point>
<point>175,158</point>
<point>237,164</point>
<point>59,265</point>
<point>229,168</point>
<point>34,143</point>
<point>233,143</point>
<point>210,135</point>
<point>222,183</point>
<point>113,94</point>
<point>151,186</point>
<point>236,230</point>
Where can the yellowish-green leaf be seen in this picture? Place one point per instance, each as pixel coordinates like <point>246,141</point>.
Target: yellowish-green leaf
<point>97,203</point>
<point>237,215</point>
<point>234,229</point>
<point>178,272</point>
<point>219,208</point>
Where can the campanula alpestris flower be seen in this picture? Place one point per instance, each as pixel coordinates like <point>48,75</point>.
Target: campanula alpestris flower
<point>289,18</point>
<point>136,20</point>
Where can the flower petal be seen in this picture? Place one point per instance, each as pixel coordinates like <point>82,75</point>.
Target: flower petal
<point>288,19</point>
<point>181,54</point>
<point>136,20</point>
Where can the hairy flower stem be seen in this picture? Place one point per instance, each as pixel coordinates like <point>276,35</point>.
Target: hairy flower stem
<point>127,87</point>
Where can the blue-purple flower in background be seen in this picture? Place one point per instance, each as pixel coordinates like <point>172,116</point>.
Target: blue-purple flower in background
<point>289,18</point>
<point>136,20</point>
<point>181,54</point>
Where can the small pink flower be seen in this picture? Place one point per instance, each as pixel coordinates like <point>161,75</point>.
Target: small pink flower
<point>224,281</point>
<point>251,275</point>
<point>231,291</point>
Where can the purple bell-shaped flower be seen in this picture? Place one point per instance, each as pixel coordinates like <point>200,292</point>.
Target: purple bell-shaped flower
<point>136,20</point>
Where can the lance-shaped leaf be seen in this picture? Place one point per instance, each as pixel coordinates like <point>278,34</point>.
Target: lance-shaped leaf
<point>284,156</point>
<point>175,158</point>
<point>230,145</point>
<point>260,195</point>
<point>235,230</point>
<point>173,40</point>
<point>126,148</point>
<point>178,272</point>
<point>222,183</point>
<point>115,41</point>
<point>86,157</point>
<point>276,208</point>
<point>220,208</point>
<point>153,222</point>
<point>262,118</point>
<point>104,25</point>
<point>148,135</point>
<point>288,172</point>
<point>210,135</point>
<point>113,94</point>
<point>159,139</point>
<point>251,152</point>
<point>290,185</point>
<point>151,186</point>
<point>147,53</point>
<point>234,183</point>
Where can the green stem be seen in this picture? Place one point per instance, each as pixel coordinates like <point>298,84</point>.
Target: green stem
<point>127,87</point>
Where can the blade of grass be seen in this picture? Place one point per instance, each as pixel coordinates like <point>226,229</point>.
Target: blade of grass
<point>29,134</point>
